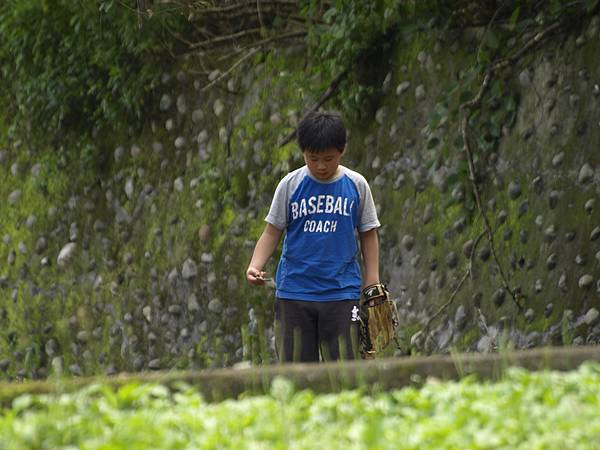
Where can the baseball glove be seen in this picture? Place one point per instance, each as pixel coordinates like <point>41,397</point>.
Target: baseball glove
<point>378,320</point>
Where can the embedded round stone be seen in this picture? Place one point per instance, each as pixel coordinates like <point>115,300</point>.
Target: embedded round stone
<point>529,315</point>
<point>402,87</point>
<point>154,364</point>
<point>523,208</point>
<point>427,213</point>
<point>550,233</point>
<point>215,306</point>
<point>459,225</point>
<point>458,193</point>
<point>218,107</point>
<point>514,190</point>
<point>468,247</point>
<point>174,309</point>
<point>408,242</point>
<point>586,173</point>
<point>484,253</point>
<point>75,370</point>
<point>562,282</point>
<point>192,303</point>
<point>501,217</point>
<point>420,92</point>
<point>586,281</point>
<point>135,150</point>
<point>551,261</point>
<point>523,236</point>
<point>180,142</point>
<point>525,78</point>
<point>558,159</point>
<point>591,317</point>
<point>15,197</point>
<point>66,254</point>
<point>538,184</point>
<point>189,270</point>
<point>4,364</point>
<point>197,116</point>
<point>165,102</point>
<point>460,317</point>
<point>181,104</point>
<point>589,205</point>
<point>451,260</point>
<point>476,299</point>
<point>553,199</point>
<point>499,297</point>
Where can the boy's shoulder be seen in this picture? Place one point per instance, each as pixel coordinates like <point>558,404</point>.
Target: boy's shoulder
<point>296,174</point>
<point>300,171</point>
<point>354,175</point>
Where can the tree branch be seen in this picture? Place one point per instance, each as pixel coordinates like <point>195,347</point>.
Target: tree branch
<point>237,6</point>
<point>322,99</point>
<point>219,40</point>
<point>229,71</point>
<point>467,109</point>
<point>468,272</point>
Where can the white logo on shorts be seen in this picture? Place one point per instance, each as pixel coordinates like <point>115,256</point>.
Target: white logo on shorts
<point>354,314</point>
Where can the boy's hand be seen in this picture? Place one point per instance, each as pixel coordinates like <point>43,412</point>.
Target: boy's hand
<point>255,276</point>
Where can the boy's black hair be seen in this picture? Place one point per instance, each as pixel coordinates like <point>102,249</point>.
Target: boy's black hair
<point>319,131</point>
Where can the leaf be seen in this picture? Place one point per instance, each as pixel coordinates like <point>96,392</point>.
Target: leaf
<point>329,14</point>
<point>434,120</point>
<point>458,142</point>
<point>465,96</point>
<point>514,17</point>
<point>591,5</point>
<point>491,40</point>
<point>497,118</point>
<point>470,203</point>
<point>433,142</point>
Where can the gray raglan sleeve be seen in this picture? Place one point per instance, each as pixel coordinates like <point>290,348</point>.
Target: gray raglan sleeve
<point>277,215</point>
<point>367,212</point>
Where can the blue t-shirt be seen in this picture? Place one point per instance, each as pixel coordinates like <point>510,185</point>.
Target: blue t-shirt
<point>321,219</point>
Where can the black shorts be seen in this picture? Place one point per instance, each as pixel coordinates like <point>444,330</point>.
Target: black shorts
<point>309,331</point>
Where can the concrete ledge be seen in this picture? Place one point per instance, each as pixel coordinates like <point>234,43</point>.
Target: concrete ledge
<point>375,375</point>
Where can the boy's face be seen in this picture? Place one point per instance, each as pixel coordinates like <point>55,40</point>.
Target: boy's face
<point>323,165</point>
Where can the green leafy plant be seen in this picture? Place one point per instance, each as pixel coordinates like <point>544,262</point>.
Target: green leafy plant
<point>76,67</point>
<point>524,410</point>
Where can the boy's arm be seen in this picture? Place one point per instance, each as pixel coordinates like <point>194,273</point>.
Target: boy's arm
<point>266,245</point>
<point>369,244</point>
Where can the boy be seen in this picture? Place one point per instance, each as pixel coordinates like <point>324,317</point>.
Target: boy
<point>320,206</point>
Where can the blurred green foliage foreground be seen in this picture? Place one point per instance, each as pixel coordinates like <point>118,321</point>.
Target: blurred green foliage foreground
<point>524,410</point>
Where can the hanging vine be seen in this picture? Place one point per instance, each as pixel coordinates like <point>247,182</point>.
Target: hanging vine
<point>475,128</point>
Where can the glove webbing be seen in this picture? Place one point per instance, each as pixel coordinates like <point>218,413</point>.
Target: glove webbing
<point>376,294</point>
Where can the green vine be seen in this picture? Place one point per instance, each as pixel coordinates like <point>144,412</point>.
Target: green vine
<point>482,114</point>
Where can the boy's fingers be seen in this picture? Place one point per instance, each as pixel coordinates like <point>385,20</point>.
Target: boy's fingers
<point>255,276</point>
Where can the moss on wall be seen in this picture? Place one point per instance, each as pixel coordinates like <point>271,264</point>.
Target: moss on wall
<point>165,227</point>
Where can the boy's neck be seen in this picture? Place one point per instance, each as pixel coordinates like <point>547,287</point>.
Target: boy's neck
<point>335,176</point>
